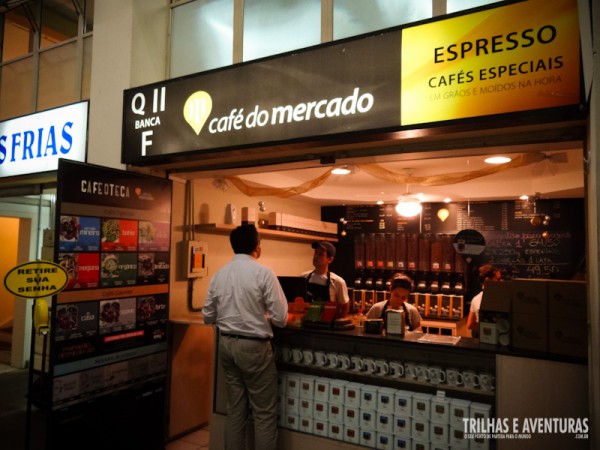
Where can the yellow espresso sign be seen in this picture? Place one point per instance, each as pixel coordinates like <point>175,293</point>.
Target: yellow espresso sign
<point>518,57</point>
<point>36,279</point>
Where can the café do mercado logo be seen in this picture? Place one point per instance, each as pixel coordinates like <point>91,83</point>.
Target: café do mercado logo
<point>36,279</point>
<point>197,109</point>
<point>150,111</point>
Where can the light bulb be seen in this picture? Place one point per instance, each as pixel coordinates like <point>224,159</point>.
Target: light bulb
<point>498,160</point>
<point>408,206</point>
<point>343,170</point>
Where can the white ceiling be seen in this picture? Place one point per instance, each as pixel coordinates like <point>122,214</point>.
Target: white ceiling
<point>559,175</point>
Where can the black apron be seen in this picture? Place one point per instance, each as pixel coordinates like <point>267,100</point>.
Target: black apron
<point>406,314</point>
<point>318,292</point>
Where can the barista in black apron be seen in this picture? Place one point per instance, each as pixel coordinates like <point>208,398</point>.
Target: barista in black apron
<point>406,315</point>
<point>400,288</point>
<point>323,285</point>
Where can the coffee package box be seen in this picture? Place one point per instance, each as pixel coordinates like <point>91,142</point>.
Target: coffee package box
<point>495,314</point>
<point>529,332</point>
<point>314,311</point>
<point>497,297</point>
<point>567,299</point>
<point>529,296</point>
<point>567,336</point>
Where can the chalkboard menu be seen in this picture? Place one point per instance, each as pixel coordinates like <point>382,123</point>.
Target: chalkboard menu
<point>378,218</point>
<point>531,254</point>
<point>544,238</point>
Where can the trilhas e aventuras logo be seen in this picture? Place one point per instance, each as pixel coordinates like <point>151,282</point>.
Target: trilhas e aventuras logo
<point>517,428</point>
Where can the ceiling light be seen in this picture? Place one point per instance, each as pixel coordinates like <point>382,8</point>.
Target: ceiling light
<point>342,170</point>
<point>380,202</point>
<point>408,206</point>
<point>498,160</point>
<point>447,200</point>
<point>524,197</point>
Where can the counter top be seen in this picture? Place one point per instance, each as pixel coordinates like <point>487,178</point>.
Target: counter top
<point>411,339</point>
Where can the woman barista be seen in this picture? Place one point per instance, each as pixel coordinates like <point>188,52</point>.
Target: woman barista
<point>400,288</point>
<point>486,272</point>
<point>324,285</point>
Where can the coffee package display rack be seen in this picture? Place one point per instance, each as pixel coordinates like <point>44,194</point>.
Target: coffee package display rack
<point>374,416</point>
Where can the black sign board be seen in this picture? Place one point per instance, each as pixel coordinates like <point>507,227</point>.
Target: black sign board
<point>400,77</point>
<point>335,89</point>
<point>109,326</point>
<point>533,254</point>
<point>378,218</point>
<point>543,238</point>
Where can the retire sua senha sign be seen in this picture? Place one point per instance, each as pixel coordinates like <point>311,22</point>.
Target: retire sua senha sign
<point>36,279</point>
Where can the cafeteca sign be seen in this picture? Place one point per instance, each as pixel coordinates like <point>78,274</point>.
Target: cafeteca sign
<point>35,143</point>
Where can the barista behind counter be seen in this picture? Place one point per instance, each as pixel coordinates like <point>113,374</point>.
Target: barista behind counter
<point>322,284</point>
<point>400,289</point>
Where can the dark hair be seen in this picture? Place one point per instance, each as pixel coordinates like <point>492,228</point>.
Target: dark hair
<point>401,281</point>
<point>487,271</point>
<point>244,239</point>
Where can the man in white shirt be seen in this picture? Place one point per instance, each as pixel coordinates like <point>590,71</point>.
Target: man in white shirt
<point>245,300</point>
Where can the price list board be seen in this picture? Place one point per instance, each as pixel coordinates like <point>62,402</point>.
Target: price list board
<point>378,219</point>
<point>540,238</point>
<point>483,216</point>
<point>531,254</point>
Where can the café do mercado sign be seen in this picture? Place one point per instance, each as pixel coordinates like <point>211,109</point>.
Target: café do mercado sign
<point>35,143</point>
<point>36,279</point>
<point>499,59</point>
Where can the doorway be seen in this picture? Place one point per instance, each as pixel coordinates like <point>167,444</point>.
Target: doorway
<point>23,219</point>
<point>9,245</point>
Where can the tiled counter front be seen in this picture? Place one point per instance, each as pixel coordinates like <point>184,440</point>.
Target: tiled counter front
<point>326,402</point>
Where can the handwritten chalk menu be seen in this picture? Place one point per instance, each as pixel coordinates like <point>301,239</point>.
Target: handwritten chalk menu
<point>531,254</point>
<point>541,238</point>
<point>109,326</point>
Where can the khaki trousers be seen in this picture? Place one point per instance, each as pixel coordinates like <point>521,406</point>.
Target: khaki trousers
<point>251,382</point>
